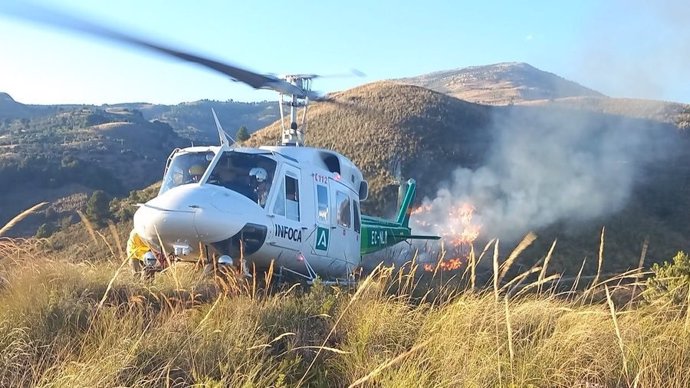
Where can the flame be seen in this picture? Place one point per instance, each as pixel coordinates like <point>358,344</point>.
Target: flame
<point>446,265</point>
<point>458,231</point>
<point>421,209</point>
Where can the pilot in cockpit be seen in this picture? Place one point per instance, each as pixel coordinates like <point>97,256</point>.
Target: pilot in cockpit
<point>259,183</point>
<point>195,173</point>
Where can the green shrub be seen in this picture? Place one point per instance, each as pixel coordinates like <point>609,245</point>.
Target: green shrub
<point>670,282</point>
<point>98,208</point>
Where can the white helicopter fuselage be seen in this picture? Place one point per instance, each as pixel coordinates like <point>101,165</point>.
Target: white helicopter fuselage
<point>304,217</point>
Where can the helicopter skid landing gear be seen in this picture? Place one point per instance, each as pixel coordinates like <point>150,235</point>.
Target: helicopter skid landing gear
<point>223,266</point>
<point>306,280</point>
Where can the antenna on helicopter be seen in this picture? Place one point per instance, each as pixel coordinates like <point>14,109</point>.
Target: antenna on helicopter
<point>221,132</point>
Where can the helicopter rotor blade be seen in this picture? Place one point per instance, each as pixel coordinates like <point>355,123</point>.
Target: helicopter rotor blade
<point>351,73</point>
<point>53,18</point>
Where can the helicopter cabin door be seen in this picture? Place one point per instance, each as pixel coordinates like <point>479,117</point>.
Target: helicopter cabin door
<point>287,211</point>
<point>323,216</point>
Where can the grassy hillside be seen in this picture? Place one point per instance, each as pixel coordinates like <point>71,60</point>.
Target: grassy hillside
<point>75,317</point>
<point>72,153</point>
<point>379,124</point>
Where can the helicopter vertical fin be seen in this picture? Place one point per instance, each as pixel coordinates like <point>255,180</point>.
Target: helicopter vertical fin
<point>221,133</point>
<point>406,206</point>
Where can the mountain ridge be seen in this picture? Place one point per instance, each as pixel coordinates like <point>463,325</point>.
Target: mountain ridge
<point>191,120</point>
<point>500,84</point>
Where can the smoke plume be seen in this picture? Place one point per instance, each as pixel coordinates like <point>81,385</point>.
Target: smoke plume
<point>549,166</point>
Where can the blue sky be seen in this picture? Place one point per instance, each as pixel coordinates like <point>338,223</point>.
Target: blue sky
<point>638,49</point>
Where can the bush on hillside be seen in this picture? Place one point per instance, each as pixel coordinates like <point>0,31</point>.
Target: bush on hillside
<point>670,282</point>
<point>98,208</point>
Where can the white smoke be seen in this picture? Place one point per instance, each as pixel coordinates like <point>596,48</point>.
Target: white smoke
<point>548,166</point>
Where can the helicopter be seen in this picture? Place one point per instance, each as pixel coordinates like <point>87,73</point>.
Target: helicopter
<point>289,206</point>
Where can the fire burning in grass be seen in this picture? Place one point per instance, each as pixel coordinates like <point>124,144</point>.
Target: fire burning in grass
<point>459,231</point>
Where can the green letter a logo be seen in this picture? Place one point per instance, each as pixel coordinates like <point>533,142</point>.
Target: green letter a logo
<point>322,239</point>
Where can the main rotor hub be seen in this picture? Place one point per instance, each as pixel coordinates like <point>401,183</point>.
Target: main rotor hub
<point>293,135</point>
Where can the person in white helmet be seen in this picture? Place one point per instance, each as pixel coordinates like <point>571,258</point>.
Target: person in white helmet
<point>195,173</point>
<point>259,182</point>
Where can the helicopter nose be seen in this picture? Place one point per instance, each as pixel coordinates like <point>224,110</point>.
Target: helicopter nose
<point>154,222</point>
<point>194,214</point>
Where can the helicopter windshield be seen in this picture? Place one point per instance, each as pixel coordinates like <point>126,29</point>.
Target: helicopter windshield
<point>248,174</point>
<point>186,168</point>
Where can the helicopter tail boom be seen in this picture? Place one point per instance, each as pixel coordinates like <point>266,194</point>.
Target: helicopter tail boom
<point>379,233</point>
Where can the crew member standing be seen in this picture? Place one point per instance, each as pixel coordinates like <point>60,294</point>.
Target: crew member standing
<point>137,253</point>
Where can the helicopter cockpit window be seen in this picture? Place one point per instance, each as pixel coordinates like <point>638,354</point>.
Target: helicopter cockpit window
<point>343,203</point>
<point>248,174</point>
<point>187,167</point>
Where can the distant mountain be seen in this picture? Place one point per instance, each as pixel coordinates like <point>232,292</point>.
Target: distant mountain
<point>11,109</point>
<point>62,153</point>
<point>191,120</point>
<point>500,84</point>
<point>194,120</point>
<point>515,83</point>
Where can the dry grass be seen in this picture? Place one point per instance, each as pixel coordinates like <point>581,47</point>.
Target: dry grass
<point>14,221</point>
<point>66,321</point>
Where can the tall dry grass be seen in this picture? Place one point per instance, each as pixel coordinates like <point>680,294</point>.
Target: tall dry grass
<point>68,321</point>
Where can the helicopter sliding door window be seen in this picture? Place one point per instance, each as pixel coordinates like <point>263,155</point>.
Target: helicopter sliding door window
<point>322,199</point>
<point>343,203</point>
<point>291,198</point>
<point>279,207</point>
<point>355,207</point>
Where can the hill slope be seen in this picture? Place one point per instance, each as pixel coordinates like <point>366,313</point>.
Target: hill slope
<point>379,124</point>
<point>562,172</point>
<point>72,153</point>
